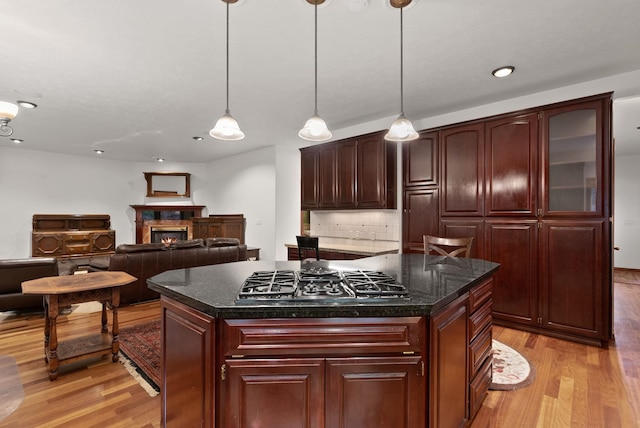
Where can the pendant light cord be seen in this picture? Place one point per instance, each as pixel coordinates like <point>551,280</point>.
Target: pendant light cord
<point>315,111</point>
<point>227,111</point>
<point>401,67</point>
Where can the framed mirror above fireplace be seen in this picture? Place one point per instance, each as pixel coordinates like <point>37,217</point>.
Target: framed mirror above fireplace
<point>168,184</point>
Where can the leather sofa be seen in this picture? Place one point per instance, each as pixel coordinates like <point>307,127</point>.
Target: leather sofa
<point>146,260</point>
<point>15,271</point>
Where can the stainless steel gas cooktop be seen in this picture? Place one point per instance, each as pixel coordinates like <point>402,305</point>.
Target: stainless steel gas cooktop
<point>319,283</point>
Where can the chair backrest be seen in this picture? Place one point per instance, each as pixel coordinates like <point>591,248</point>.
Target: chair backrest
<point>307,243</point>
<point>451,247</point>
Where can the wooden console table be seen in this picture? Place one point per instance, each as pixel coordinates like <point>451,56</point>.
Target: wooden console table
<point>60,291</point>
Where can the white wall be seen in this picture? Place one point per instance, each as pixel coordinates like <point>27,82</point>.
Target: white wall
<point>287,198</point>
<point>246,184</point>
<point>626,208</point>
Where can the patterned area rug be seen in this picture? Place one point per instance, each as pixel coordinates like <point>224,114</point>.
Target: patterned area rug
<point>140,345</point>
<point>510,369</point>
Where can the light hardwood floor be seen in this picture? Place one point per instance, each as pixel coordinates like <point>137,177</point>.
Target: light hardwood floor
<point>576,385</point>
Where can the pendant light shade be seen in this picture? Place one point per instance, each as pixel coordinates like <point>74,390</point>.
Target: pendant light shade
<point>315,128</point>
<point>227,127</point>
<point>402,128</point>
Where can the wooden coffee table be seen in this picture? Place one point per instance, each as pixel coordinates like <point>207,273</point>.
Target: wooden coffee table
<point>60,291</point>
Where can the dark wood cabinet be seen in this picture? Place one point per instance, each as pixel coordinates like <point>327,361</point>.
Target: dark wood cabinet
<point>309,178</point>
<point>505,180</point>
<point>462,160</point>
<point>188,366</point>
<point>328,176</point>
<point>376,178</point>
<point>511,148</point>
<point>515,295</point>
<point>346,173</point>
<point>253,390</point>
<point>420,217</point>
<point>72,235</point>
<point>420,160</point>
<point>358,392</point>
<point>449,373</point>
<point>572,296</point>
<point>219,226</point>
<point>356,173</point>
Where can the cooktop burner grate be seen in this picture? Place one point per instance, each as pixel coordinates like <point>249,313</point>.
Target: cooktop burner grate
<point>320,283</point>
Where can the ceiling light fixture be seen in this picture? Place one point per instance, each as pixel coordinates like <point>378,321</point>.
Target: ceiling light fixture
<point>198,138</point>
<point>98,151</point>
<point>227,127</point>
<point>160,159</point>
<point>17,140</point>
<point>7,112</point>
<point>27,104</point>
<point>315,128</point>
<point>503,71</point>
<point>402,128</point>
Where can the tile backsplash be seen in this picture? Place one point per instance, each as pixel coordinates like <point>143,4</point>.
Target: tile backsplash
<point>372,225</point>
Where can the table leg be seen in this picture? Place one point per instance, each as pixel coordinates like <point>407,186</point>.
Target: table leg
<point>47,329</point>
<point>52,349</point>
<point>115,341</point>
<point>104,318</point>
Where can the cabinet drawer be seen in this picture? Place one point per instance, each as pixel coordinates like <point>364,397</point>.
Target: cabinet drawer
<point>323,336</point>
<point>479,387</point>
<point>479,351</point>
<point>479,294</point>
<point>480,319</point>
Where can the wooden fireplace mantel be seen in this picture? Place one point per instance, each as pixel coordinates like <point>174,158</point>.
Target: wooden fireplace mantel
<point>195,210</point>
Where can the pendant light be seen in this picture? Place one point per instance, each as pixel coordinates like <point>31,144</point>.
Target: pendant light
<point>315,128</point>
<point>227,127</point>
<point>401,129</point>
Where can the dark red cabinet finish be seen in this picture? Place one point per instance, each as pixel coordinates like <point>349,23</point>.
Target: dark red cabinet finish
<point>420,217</point>
<point>420,160</point>
<point>462,188</point>
<point>511,146</point>
<point>523,184</point>
<point>356,173</point>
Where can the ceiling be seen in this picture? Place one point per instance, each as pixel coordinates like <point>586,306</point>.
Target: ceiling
<point>139,79</point>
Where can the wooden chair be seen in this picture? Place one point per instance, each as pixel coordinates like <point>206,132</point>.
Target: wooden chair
<point>307,243</point>
<point>450,247</point>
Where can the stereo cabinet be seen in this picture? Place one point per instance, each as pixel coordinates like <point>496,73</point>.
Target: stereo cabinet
<point>72,235</point>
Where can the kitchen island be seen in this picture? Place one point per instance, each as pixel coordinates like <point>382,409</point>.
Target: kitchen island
<point>416,360</point>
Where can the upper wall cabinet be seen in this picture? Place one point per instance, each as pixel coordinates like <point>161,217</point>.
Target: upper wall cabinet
<point>420,160</point>
<point>356,173</point>
<point>462,170</point>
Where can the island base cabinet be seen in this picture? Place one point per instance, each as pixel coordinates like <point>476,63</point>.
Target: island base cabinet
<point>386,392</point>
<point>448,378</point>
<point>187,387</point>
<point>274,392</point>
<point>381,392</point>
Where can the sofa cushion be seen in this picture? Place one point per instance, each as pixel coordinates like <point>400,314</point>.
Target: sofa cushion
<point>14,272</point>
<point>222,242</point>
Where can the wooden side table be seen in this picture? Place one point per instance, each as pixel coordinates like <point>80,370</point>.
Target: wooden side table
<point>60,291</point>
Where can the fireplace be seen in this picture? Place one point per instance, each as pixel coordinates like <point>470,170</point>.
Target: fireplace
<point>173,220</point>
<point>176,233</point>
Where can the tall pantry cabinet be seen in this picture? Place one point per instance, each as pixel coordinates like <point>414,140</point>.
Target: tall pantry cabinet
<point>534,189</point>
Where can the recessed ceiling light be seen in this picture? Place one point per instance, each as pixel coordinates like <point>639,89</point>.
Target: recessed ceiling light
<point>503,71</point>
<point>160,159</point>
<point>27,104</point>
<point>17,140</point>
<point>98,151</point>
<point>198,138</point>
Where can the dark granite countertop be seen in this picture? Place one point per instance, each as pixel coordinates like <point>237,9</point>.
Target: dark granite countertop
<point>432,282</point>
